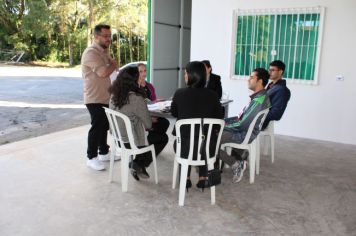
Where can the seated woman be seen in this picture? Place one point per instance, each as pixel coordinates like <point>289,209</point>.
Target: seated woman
<point>160,125</point>
<point>148,87</point>
<point>128,98</point>
<point>195,102</point>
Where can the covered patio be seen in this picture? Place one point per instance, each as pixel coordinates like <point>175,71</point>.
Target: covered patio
<point>46,189</point>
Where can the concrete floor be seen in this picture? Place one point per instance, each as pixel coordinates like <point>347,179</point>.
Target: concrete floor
<point>46,189</point>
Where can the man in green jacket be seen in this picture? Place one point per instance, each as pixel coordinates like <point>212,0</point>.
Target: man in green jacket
<point>236,127</point>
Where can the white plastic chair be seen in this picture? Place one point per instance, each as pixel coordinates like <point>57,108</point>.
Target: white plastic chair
<point>186,162</point>
<point>251,147</point>
<point>113,117</point>
<point>269,131</point>
<point>225,95</point>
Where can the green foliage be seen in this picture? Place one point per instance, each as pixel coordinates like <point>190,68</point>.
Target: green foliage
<point>60,30</point>
<point>36,21</point>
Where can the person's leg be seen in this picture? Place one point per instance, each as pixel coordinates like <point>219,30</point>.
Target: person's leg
<point>203,179</point>
<point>94,131</point>
<point>189,170</point>
<point>239,154</point>
<point>157,135</point>
<point>237,160</point>
<point>104,127</point>
<point>144,159</point>
<point>135,165</point>
<point>159,140</point>
<point>226,138</point>
<point>141,160</point>
<point>161,126</point>
<point>94,136</point>
<point>189,182</point>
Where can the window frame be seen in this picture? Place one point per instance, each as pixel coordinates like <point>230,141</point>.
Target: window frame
<point>277,12</point>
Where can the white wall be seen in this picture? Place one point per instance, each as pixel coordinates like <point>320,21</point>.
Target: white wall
<point>326,111</point>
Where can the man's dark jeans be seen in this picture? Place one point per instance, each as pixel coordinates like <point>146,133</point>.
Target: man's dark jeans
<point>97,136</point>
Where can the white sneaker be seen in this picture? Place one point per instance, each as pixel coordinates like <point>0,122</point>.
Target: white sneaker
<point>106,157</point>
<point>238,169</point>
<point>95,164</point>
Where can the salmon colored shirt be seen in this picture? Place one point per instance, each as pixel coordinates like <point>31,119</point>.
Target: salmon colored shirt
<point>95,60</point>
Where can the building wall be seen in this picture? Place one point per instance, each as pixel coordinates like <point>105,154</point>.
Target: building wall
<point>326,111</point>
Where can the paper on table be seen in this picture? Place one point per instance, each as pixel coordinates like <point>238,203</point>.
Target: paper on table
<point>159,105</point>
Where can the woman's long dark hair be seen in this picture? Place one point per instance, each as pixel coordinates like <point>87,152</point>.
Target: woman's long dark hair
<point>125,83</point>
<point>196,74</point>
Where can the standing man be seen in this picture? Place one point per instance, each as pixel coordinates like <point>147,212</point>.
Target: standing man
<point>277,91</point>
<point>236,127</point>
<point>97,65</point>
<point>213,81</point>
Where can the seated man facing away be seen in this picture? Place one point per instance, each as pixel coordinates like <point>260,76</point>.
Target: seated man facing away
<point>236,127</point>
<point>277,91</point>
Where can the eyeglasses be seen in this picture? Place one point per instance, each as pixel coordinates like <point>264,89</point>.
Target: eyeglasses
<point>105,35</point>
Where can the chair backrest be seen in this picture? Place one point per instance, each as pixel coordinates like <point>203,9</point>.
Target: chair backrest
<point>261,116</point>
<point>225,95</point>
<point>269,129</point>
<point>115,120</point>
<point>210,126</point>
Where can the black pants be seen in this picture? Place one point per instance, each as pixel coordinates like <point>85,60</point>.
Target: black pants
<point>202,169</point>
<point>97,135</point>
<point>142,160</point>
<point>157,135</point>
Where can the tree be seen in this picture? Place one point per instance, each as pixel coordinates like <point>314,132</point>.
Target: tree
<point>130,22</point>
<point>68,15</point>
<point>60,29</point>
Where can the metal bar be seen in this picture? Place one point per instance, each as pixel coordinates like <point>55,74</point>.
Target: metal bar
<point>301,51</point>
<point>19,58</point>
<point>279,34</point>
<point>240,56</point>
<point>308,48</point>
<point>181,35</point>
<point>167,24</point>
<point>268,33</point>
<point>274,37</point>
<point>151,38</point>
<point>295,47</point>
<point>290,46</point>
<point>262,41</point>
<point>320,35</point>
<point>248,43</point>
<point>172,68</point>
<point>254,62</point>
<point>285,36</point>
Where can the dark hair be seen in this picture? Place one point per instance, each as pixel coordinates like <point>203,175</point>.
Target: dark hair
<point>196,74</point>
<point>279,64</point>
<point>97,29</point>
<point>126,82</point>
<point>206,63</point>
<point>141,64</point>
<point>263,75</point>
